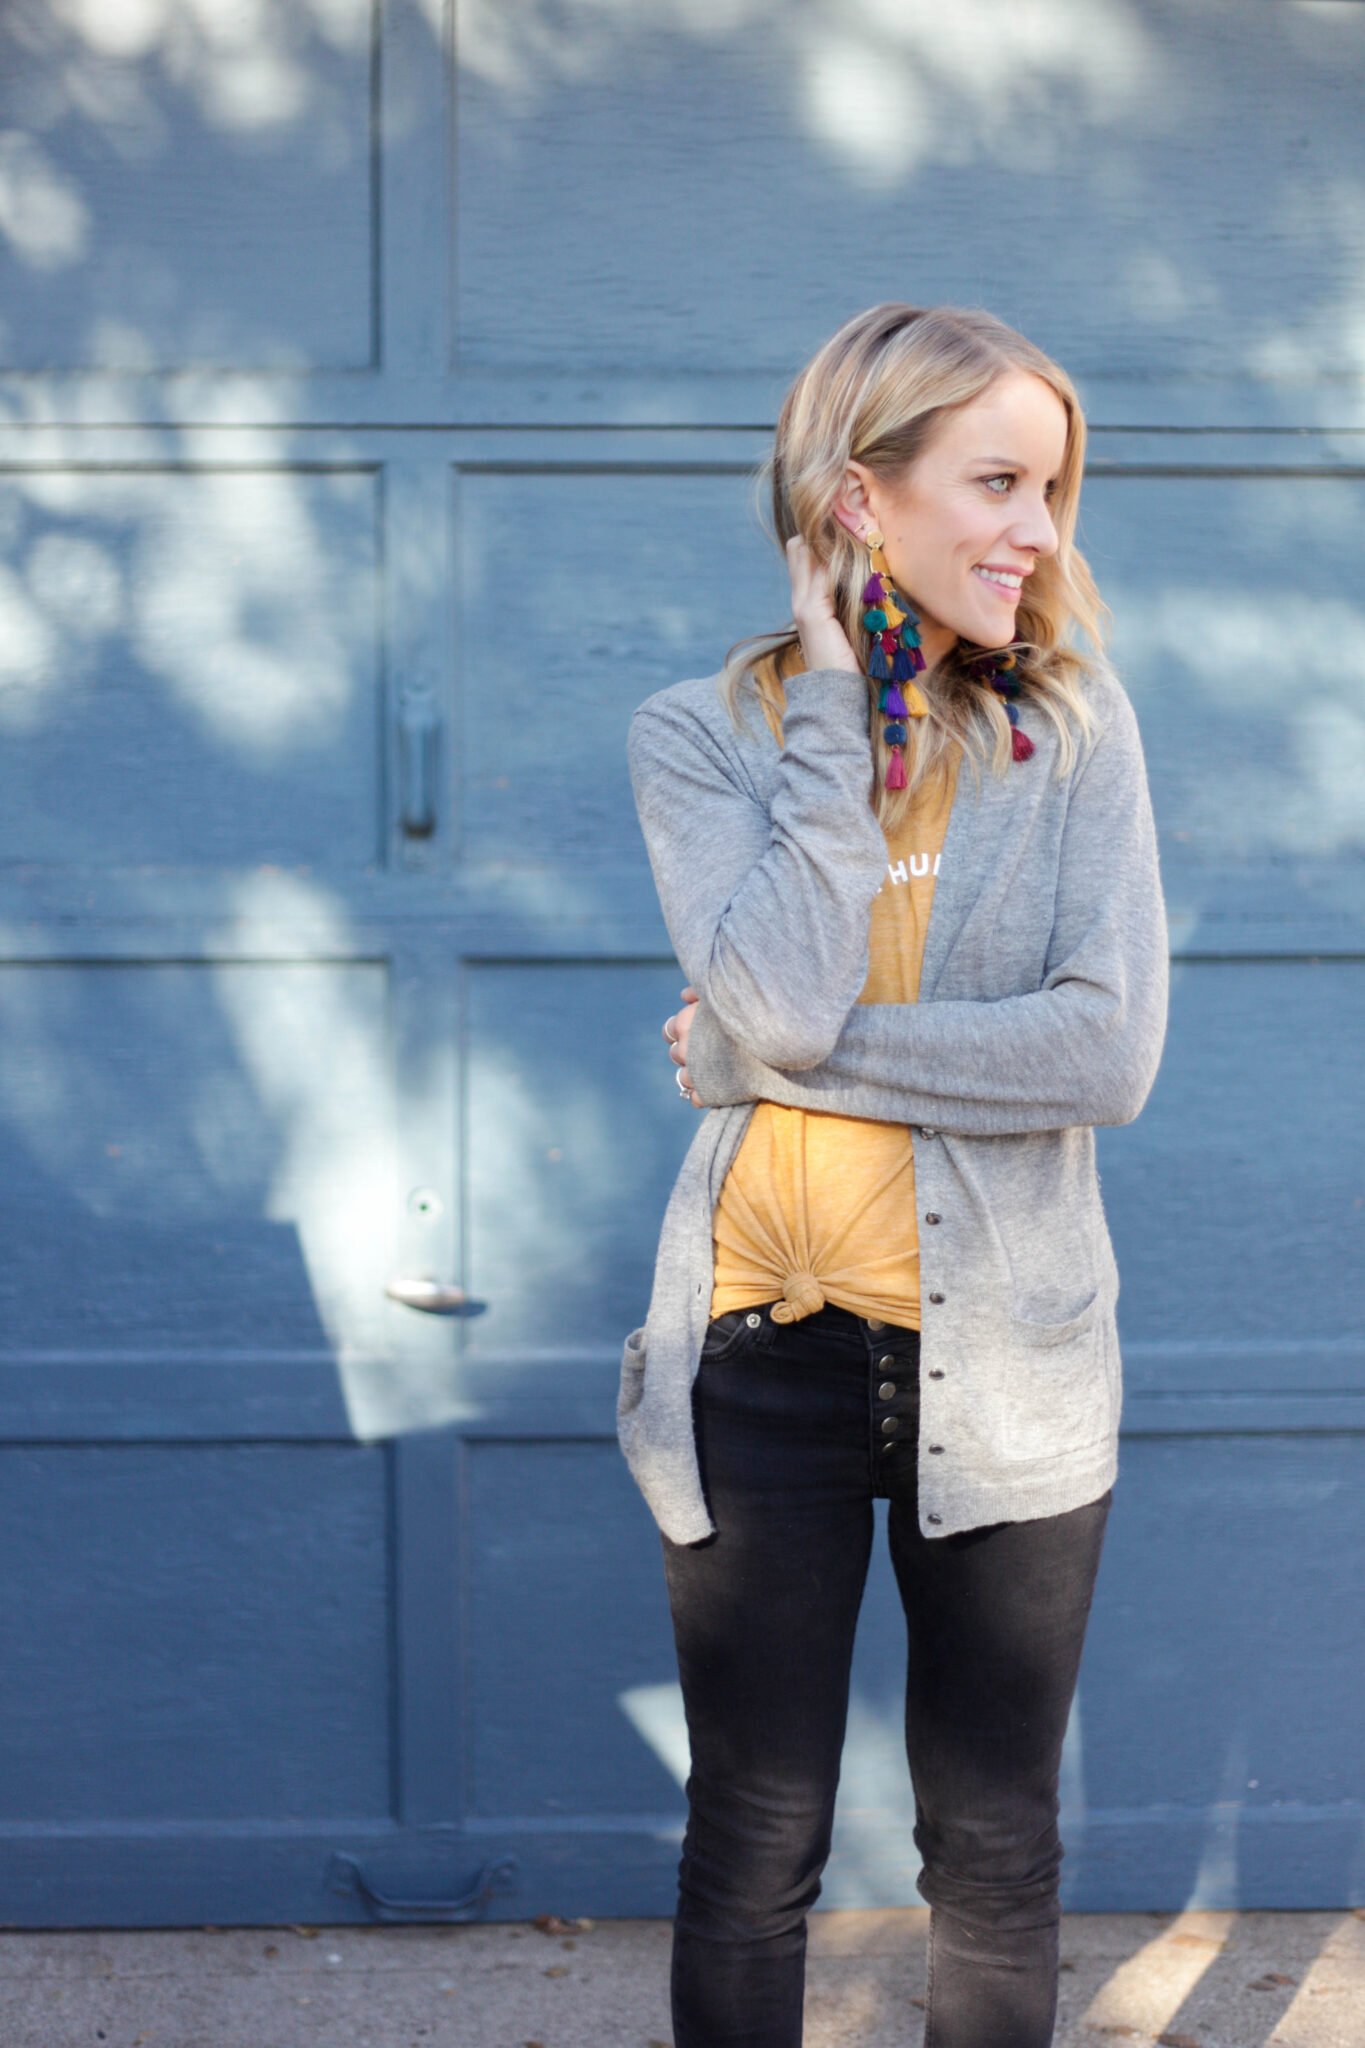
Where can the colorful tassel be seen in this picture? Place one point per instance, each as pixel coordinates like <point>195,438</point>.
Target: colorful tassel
<point>894,658</point>
<point>1000,668</point>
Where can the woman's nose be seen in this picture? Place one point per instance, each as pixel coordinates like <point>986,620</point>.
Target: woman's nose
<point>1038,533</point>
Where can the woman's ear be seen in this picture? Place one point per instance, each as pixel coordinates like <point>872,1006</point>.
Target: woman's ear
<point>852,507</point>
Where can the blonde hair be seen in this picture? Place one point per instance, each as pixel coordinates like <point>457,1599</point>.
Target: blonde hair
<point>876,392</point>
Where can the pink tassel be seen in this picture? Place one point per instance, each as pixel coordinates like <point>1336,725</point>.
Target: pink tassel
<point>1023,745</point>
<point>895,770</point>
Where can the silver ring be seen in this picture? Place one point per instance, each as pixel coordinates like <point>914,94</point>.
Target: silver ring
<point>683,1089</point>
<point>672,1041</point>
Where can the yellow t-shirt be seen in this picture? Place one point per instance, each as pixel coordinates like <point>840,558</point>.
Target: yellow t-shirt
<point>818,1207</point>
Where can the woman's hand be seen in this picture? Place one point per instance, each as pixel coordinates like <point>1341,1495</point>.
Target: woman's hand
<point>675,1031</point>
<point>824,643</point>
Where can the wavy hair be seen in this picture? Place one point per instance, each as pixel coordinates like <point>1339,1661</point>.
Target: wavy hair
<point>877,392</point>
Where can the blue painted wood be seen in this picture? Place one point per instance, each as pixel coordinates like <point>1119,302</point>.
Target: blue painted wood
<point>179,197</point>
<point>1175,163</point>
<point>193,675</point>
<point>353,384</point>
<point>195,1635</point>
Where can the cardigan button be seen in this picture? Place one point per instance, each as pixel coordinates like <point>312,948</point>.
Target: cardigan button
<point>925,1132</point>
<point>935,1449</point>
<point>933,1518</point>
<point>935,1297</point>
<point>935,1372</point>
<point>932,1216</point>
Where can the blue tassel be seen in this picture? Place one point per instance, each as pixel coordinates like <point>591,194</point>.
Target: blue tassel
<point>876,666</point>
<point>1012,713</point>
<point>894,735</point>
<point>900,665</point>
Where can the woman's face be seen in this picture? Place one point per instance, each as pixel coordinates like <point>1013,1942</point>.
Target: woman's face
<point>974,501</point>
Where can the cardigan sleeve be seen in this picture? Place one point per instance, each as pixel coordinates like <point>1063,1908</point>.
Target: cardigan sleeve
<point>1082,1049</point>
<point>769,911</point>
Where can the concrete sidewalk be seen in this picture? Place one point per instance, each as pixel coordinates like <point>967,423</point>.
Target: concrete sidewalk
<point>1190,1980</point>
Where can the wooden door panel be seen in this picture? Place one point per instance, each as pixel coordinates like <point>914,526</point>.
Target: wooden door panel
<point>563,1154</point>
<point>196,1155</point>
<point>1196,218</point>
<point>636,578</point>
<point>191,669</point>
<point>216,1646</point>
<point>187,185</point>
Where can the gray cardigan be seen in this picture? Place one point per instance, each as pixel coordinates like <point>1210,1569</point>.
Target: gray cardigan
<point>1042,1013</point>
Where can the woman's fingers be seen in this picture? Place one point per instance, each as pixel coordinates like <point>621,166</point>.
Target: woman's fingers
<point>824,643</point>
<point>675,1030</point>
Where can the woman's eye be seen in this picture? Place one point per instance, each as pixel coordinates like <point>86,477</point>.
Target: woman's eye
<point>1004,478</point>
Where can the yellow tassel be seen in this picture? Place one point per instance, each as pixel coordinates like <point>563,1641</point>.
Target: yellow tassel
<point>894,618</point>
<point>916,704</point>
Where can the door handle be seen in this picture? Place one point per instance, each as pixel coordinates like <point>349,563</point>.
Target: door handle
<point>420,1291</point>
<point>417,729</point>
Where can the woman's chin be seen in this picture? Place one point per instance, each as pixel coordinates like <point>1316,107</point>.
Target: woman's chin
<point>982,633</point>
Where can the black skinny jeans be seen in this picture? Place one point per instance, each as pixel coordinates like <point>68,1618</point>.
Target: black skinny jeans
<point>799,1426</point>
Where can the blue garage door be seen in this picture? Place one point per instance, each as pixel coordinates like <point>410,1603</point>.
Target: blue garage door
<point>378,386</point>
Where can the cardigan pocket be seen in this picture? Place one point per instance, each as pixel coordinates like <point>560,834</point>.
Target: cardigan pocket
<point>632,1386</point>
<point>1057,1390</point>
<point>1042,1335</point>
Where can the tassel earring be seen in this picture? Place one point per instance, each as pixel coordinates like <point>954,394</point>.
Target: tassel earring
<point>894,658</point>
<point>1001,670</point>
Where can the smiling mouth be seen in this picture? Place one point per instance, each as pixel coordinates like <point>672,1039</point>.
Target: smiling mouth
<point>1009,586</point>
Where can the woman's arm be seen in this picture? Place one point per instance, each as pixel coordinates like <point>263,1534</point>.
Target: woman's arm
<point>769,918</point>
<point>1082,1049</point>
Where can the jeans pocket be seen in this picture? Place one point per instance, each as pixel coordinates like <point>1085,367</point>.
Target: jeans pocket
<point>734,1332</point>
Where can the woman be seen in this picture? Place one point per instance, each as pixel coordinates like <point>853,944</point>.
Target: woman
<point>884,1267</point>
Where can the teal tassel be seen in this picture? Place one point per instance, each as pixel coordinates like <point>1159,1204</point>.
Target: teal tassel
<point>875,619</point>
